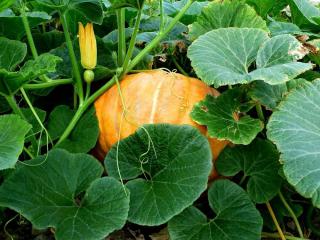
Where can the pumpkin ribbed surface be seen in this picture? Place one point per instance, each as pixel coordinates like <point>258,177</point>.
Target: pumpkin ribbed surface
<point>151,97</point>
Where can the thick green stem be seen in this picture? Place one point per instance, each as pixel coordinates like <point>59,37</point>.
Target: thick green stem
<point>51,83</point>
<point>179,66</point>
<point>157,39</point>
<point>14,106</point>
<point>161,16</point>
<point>133,40</point>
<point>277,236</point>
<point>292,214</point>
<point>88,90</point>
<point>260,112</point>
<point>275,221</point>
<point>30,39</point>
<point>28,152</point>
<point>29,34</point>
<point>315,230</point>
<point>244,177</point>
<point>74,62</point>
<point>84,107</point>
<point>121,36</point>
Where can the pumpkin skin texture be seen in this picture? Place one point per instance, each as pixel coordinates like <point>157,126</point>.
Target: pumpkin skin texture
<point>151,97</point>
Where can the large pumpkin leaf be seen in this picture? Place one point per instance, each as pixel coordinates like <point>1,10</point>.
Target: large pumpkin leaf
<point>258,161</point>
<point>263,7</point>
<point>224,15</point>
<point>11,26</point>
<point>266,94</point>
<point>51,194</point>
<point>4,106</point>
<point>12,133</point>
<point>303,14</point>
<point>127,3</point>
<point>271,95</point>
<point>12,53</point>
<point>10,82</point>
<point>90,9</point>
<point>220,115</point>
<point>278,28</point>
<point>236,217</point>
<point>4,4</point>
<point>83,137</point>
<point>295,128</point>
<point>169,166</point>
<point>223,57</point>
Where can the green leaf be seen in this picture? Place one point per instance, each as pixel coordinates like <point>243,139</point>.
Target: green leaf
<point>4,106</point>
<point>271,95</point>
<point>295,129</point>
<point>167,167</point>
<point>12,53</point>
<point>11,26</point>
<point>236,217</point>
<point>4,4</point>
<point>224,15</point>
<point>220,116</point>
<point>10,82</point>
<point>127,3</point>
<point>83,137</point>
<point>151,25</point>
<point>48,40</point>
<point>263,7</point>
<point>258,161</point>
<point>278,28</point>
<point>303,14</point>
<point>278,50</point>
<point>12,133</point>
<point>90,9</point>
<point>224,57</point>
<point>190,15</point>
<point>65,191</point>
<point>266,94</point>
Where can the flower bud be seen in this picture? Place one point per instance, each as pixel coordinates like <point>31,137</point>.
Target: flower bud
<point>88,76</point>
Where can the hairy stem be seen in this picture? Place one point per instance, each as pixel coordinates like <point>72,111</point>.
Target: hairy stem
<point>157,39</point>
<point>161,16</point>
<point>260,112</point>
<point>28,152</point>
<point>121,36</point>
<point>50,83</point>
<point>292,214</point>
<point>74,62</point>
<point>29,34</point>
<point>315,230</point>
<point>132,40</point>
<point>179,66</point>
<point>275,221</point>
<point>32,46</point>
<point>277,236</point>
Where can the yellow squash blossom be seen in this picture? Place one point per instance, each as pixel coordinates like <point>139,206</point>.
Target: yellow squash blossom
<point>88,46</point>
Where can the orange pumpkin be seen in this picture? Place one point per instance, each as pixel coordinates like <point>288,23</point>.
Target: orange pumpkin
<point>150,97</point>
